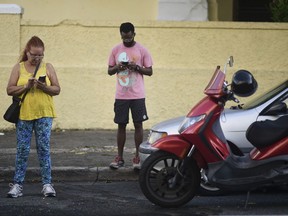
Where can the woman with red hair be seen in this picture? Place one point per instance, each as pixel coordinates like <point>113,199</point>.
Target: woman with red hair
<point>36,113</point>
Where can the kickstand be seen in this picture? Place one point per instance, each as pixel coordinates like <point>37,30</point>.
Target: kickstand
<point>247,199</point>
<point>97,177</point>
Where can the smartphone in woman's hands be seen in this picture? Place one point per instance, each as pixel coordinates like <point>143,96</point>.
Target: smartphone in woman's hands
<point>42,78</point>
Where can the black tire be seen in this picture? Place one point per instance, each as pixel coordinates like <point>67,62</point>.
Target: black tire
<point>158,169</point>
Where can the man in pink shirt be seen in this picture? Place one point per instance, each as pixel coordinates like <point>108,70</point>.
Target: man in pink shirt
<point>129,61</point>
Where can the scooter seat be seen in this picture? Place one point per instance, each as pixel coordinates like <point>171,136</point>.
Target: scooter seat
<point>264,133</point>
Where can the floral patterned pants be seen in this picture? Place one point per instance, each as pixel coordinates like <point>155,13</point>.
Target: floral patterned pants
<point>42,129</point>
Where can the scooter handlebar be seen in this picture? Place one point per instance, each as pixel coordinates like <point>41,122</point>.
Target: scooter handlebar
<point>232,97</point>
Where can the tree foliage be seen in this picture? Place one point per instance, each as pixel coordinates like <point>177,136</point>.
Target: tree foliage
<point>279,10</point>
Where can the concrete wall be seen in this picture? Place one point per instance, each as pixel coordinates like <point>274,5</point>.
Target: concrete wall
<point>185,55</point>
<point>58,10</point>
<point>180,10</point>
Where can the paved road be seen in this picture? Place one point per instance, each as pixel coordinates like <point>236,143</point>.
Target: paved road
<point>125,198</point>
<point>77,155</point>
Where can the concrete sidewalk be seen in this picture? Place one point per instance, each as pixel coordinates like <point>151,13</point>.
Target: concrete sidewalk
<point>77,155</point>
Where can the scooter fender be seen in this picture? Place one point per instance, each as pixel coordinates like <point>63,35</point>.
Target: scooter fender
<point>173,144</point>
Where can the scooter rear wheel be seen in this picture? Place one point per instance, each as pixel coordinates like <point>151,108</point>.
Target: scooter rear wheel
<point>158,184</point>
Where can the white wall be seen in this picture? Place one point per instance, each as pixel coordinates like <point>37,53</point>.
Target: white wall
<point>183,10</point>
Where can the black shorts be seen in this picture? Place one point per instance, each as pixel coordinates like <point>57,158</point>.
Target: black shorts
<point>138,110</point>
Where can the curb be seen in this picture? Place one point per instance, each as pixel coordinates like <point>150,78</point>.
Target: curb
<point>74,174</point>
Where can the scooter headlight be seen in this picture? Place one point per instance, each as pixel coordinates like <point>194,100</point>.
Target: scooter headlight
<point>155,135</point>
<point>189,121</point>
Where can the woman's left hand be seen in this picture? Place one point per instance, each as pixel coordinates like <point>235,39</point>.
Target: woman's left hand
<point>40,85</point>
<point>132,66</point>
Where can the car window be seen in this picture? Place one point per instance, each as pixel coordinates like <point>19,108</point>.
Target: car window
<point>266,96</point>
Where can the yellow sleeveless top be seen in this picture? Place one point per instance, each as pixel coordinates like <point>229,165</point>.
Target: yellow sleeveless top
<point>37,104</point>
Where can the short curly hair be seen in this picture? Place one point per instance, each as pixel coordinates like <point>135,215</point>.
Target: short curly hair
<point>127,27</point>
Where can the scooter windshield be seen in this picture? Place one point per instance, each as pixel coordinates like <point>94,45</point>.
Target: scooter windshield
<point>215,86</point>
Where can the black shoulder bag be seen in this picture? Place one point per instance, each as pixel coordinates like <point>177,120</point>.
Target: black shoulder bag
<point>13,111</point>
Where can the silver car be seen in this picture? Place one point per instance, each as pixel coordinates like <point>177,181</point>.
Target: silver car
<point>234,122</point>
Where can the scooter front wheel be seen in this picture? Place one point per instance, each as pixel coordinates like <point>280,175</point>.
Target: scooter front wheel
<point>167,181</point>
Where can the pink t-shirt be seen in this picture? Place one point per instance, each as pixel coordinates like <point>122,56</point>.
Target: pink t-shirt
<point>130,84</point>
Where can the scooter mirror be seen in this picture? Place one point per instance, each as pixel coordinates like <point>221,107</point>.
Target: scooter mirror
<point>231,61</point>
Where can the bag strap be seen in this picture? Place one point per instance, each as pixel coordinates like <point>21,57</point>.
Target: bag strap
<point>35,72</point>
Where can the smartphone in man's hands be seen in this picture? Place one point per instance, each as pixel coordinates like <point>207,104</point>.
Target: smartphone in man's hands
<point>125,63</point>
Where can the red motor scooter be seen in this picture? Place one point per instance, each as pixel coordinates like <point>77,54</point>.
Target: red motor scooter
<point>170,176</point>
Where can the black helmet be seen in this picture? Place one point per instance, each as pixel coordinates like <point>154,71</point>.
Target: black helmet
<point>243,83</point>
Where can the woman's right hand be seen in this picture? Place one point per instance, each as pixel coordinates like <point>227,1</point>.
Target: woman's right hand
<point>30,83</point>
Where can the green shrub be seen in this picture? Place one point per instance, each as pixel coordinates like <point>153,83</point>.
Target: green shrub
<point>279,10</point>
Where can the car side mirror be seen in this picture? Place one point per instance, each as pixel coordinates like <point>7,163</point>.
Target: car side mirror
<point>276,109</point>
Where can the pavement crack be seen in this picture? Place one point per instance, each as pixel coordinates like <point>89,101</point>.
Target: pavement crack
<point>97,176</point>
